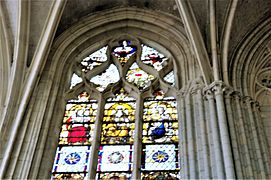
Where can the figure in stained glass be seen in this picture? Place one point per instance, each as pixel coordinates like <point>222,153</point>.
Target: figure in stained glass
<point>93,60</point>
<point>139,77</point>
<point>124,51</point>
<point>152,57</point>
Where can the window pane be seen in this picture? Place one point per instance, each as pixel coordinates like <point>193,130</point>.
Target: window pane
<point>139,77</point>
<point>110,75</point>
<point>170,78</point>
<point>152,57</point>
<point>124,51</point>
<point>73,152</point>
<point>116,152</point>
<point>93,60</point>
<point>159,135</point>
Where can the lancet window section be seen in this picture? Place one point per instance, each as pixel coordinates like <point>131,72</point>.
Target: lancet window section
<point>109,73</point>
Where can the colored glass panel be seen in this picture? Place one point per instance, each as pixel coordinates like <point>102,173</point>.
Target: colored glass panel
<point>71,159</point>
<point>124,51</point>
<point>75,80</point>
<point>78,121</point>
<point>111,75</point>
<point>115,175</point>
<point>73,152</point>
<point>115,158</point>
<point>118,122</point>
<point>159,135</point>
<point>78,176</point>
<point>93,60</point>
<point>139,77</point>
<point>152,57</point>
<point>160,175</point>
<point>170,78</point>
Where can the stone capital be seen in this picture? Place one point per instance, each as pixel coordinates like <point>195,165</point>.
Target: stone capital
<point>236,95</point>
<point>228,92</point>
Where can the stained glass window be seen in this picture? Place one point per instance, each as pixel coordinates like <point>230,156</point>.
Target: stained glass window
<point>75,80</point>
<point>124,51</point>
<point>139,77</point>
<point>110,75</point>
<point>76,136</point>
<point>170,78</point>
<point>160,134</point>
<point>93,60</point>
<point>116,152</point>
<point>153,58</point>
<point>119,87</point>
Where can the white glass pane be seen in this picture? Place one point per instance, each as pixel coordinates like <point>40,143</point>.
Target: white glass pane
<point>111,75</point>
<point>75,80</point>
<point>115,158</point>
<point>72,159</point>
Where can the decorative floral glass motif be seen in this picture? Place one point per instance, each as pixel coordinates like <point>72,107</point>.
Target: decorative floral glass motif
<point>71,161</point>
<point>116,158</point>
<point>124,51</point>
<point>160,157</point>
<point>75,80</point>
<point>111,75</point>
<point>170,78</point>
<point>93,60</point>
<point>139,77</point>
<point>152,57</point>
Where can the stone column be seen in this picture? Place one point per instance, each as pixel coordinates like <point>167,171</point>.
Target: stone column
<point>183,162</point>
<point>263,141</point>
<point>224,131</point>
<point>256,145</point>
<point>244,151</point>
<point>232,127</point>
<point>218,169</point>
<point>203,135</point>
<point>190,138</point>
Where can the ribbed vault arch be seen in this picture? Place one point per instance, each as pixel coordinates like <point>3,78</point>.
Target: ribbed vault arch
<point>250,58</point>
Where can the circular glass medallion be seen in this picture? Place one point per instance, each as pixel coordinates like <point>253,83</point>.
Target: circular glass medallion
<point>115,157</point>
<point>160,156</point>
<point>72,158</point>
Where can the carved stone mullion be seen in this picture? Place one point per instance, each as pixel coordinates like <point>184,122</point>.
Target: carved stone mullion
<point>96,140</point>
<point>138,139</point>
<point>228,95</point>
